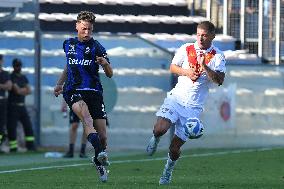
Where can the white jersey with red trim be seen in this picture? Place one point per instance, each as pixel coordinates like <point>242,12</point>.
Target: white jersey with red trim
<point>194,93</point>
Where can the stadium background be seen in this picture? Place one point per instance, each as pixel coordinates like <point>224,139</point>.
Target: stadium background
<point>141,38</point>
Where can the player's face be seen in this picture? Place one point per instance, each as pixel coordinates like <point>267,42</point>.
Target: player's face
<point>85,30</point>
<point>204,38</point>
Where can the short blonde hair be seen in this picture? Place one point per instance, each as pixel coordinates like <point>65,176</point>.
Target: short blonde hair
<point>86,16</point>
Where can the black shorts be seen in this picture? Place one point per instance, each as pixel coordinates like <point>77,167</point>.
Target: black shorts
<point>93,99</point>
<point>73,118</point>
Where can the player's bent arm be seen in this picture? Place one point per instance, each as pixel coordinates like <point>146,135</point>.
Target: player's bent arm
<point>216,76</point>
<point>108,70</point>
<point>105,65</point>
<point>190,73</point>
<point>175,69</point>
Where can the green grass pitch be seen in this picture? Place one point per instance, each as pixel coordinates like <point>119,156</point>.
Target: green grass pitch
<point>197,169</point>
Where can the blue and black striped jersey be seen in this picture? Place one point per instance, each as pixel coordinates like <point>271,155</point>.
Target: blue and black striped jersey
<point>82,69</point>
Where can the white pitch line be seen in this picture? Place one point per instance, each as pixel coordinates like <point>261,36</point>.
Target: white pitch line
<point>143,160</point>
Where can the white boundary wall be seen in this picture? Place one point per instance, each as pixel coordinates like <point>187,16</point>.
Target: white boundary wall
<point>255,95</point>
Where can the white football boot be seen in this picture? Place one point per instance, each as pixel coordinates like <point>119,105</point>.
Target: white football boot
<point>103,158</point>
<point>152,145</point>
<point>101,171</point>
<point>167,173</point>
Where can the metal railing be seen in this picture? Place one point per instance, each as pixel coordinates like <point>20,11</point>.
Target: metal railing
<point>255,23</point>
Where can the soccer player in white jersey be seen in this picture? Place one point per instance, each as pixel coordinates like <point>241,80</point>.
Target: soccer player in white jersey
<point>198,66</point>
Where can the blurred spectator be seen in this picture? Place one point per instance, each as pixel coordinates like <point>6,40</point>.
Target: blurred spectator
<point>5,85</point>
<point>17,109</point>
<point>252,6</point>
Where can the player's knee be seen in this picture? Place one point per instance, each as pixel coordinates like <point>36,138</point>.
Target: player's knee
<point>160,128</point>
<point>74,127</point>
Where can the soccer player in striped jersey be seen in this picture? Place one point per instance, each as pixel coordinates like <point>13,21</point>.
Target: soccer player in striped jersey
<point>82,89</point>
<point>198,66</point>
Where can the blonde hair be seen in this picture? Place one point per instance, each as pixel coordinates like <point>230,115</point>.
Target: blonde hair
<point>86,16</point>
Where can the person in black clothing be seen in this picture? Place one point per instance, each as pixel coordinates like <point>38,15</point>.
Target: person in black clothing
<point>5,85</point>
<point>17,109</point>
<point>83,90</point>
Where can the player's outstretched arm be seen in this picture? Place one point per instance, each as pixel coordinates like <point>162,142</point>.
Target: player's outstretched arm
<point>59,85</point>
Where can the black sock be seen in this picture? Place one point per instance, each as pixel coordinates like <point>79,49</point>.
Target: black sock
<point>96,158</point>
<point>71,148</point>
<point>94,139</point>
<point>83,148</point>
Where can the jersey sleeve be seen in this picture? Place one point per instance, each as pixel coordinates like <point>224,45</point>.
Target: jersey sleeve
<point>101,51</point>
<point>63,45</point>
<point>220,63</point>
<point>179,56</point>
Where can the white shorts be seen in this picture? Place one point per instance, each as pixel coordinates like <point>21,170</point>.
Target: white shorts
<point>178,115</point>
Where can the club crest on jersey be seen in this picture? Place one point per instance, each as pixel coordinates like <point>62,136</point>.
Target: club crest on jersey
<point>71,49</point>
<point>193,54</point>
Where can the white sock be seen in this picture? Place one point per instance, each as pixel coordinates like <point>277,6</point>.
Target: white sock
<point>156,138</point>
<point>171,163</point>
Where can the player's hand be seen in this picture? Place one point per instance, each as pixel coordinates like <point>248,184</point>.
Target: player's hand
<point>101,61</point>
<point>192,73</point>
<point>201,62</point>
<point>57,90</point>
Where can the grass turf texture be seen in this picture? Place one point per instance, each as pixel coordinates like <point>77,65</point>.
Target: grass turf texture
<point>197,169</point>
